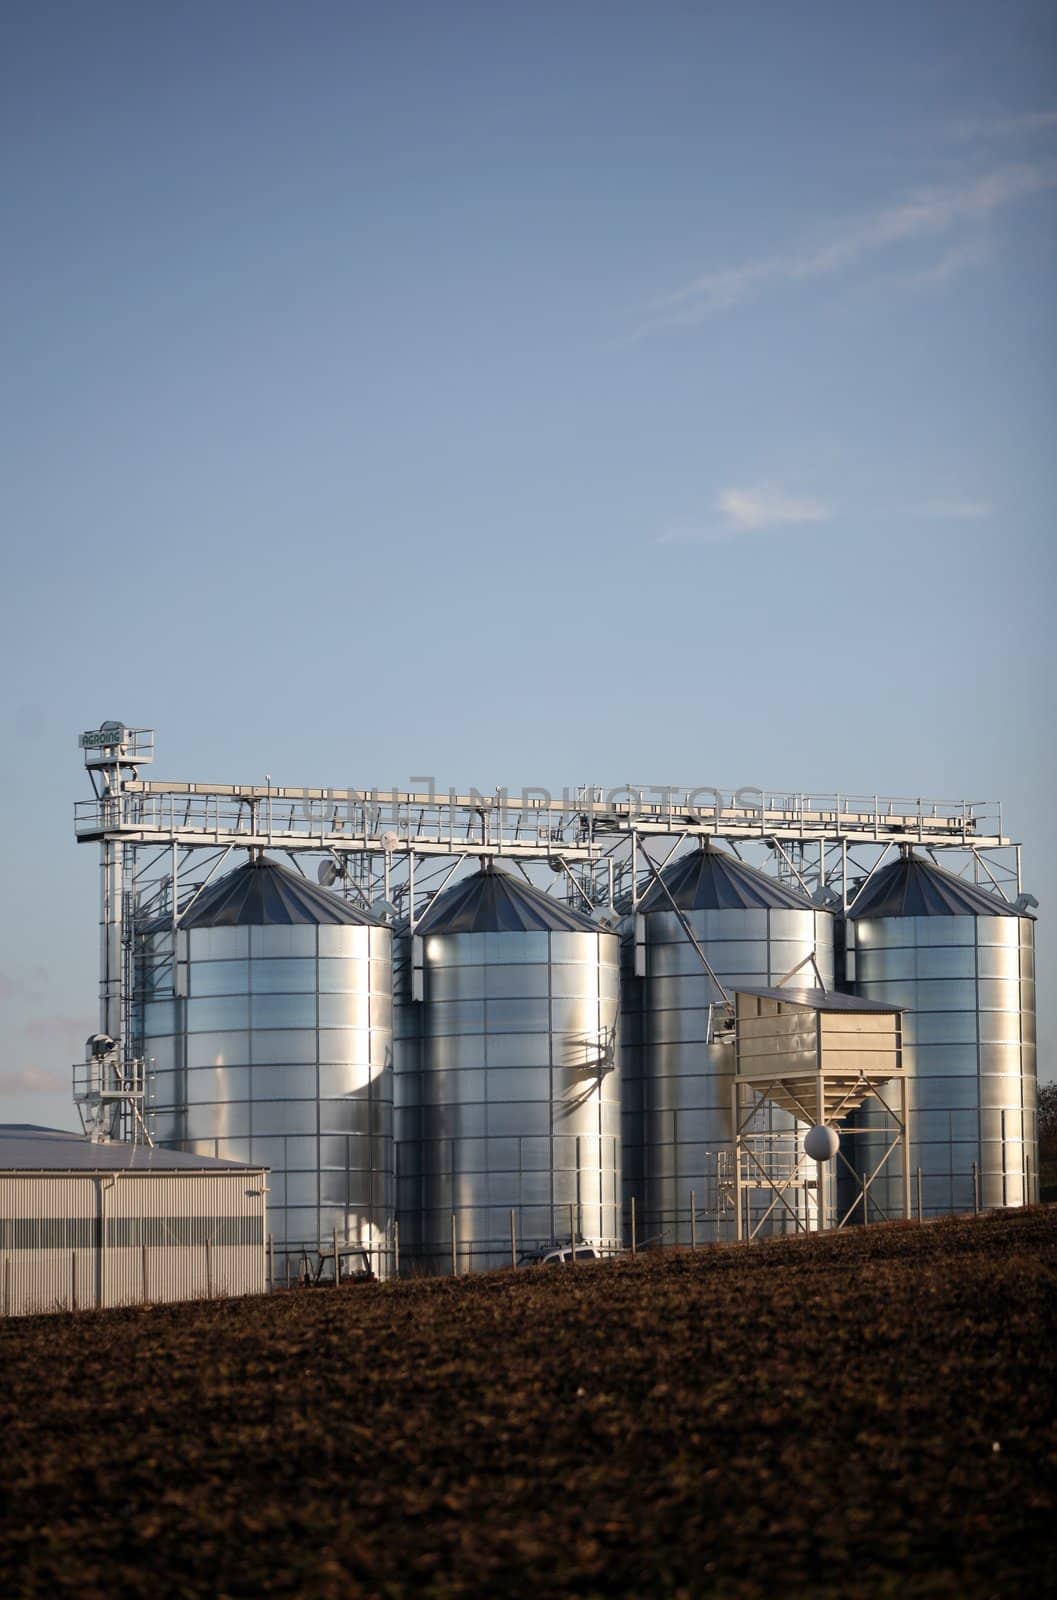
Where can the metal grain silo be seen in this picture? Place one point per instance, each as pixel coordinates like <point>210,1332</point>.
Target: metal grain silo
<point>519,1092</point>
<point>271,1037</point>
<point>678,1136</point>
<point>407,1100</point>
<point>962,962</point>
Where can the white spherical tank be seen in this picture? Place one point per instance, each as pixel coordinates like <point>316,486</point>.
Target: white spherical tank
<point>821,1143</point>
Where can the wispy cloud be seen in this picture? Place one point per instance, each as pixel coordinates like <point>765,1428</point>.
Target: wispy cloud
<point>737,513</point>
<point>1030,122</point>
<point>14,986</point>
<point>57,1027</point>
<point>750,509</point>
<point>950,510</point>
<point>33,1080</point>
<point>947,266</point>
<point>745,511</point>
<point>925,214</point>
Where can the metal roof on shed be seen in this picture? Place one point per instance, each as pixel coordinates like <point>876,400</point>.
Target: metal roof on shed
<point>262,894</point>
<point>494,902</point>
<point>914,887</point>
<point>711,880</point>
<point>27,1148</point>
<point>822,1000</point>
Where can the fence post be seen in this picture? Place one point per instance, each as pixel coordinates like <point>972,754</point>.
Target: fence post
<point>572,1235</point>
<point>73,1279</point>
<point>634,1243</point>
<point>976,1190</point>
<point>865,1209</point>
<point>271,1263</point>
<point>693,1220</point>
<point>1029,1192</point>
<point>454,1247</point>
<point>209,1269</point>
<point>396,1249</point>
<point>513,1239</point>
<point>337,1278</point>
<point>919,1195</point>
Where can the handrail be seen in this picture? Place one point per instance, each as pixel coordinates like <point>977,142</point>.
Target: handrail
<point>580,822</point>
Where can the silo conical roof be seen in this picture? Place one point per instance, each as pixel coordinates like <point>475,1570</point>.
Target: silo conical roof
<point>914,887</point>
<point>711,880</point>
<point>494,902</point>
<point>262,894</point>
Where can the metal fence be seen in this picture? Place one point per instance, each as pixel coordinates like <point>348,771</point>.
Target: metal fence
<point>705,1220</point>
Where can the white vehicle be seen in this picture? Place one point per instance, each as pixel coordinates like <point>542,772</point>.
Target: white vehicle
<point>554,1255</point>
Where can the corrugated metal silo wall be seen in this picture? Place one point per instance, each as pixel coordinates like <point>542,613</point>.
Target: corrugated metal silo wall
<point>280,1052</point>
<point>969,1048</point>
<point>678,1128</point>
<point>632,1119</point>
<point>407,1105</point>
<point>519,1104</point>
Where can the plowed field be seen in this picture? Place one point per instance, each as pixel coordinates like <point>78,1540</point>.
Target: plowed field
<point>869,1414</point>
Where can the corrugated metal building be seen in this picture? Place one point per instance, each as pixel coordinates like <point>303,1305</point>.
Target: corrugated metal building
<point>85,1224</point>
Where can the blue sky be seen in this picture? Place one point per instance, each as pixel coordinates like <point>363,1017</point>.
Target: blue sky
<point>520,395</point>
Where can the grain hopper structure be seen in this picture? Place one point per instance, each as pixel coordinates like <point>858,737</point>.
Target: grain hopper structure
<point>470,1024</point>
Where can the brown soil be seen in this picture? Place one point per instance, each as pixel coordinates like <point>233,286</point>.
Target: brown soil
<point>869,1414</point>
